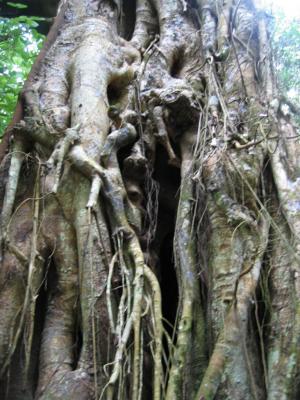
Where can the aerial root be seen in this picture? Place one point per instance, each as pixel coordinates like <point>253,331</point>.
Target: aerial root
<point>116,140</point>
<point>94,193</point>
<point>108,293</point>
<point>135,165</point>
<point>60,151</point>
<point>235,323</point>
<point>133,324</point>
<point>130,259</point>
<point>145,24</point>
<point>163,137</point>
<point>158,330</point>
<point>34,279</point>
<point>17,158</point>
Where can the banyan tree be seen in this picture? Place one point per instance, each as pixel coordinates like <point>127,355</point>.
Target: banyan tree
<point>150,197</point>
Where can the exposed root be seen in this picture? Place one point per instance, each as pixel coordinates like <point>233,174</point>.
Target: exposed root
<point>34,280</point>
<point>17,158</point>
<point>100,114</point>
<point>235,324</point>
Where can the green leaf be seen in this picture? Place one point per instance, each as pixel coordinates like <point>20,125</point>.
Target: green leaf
<point>17,5</point>
<point>19,45</point>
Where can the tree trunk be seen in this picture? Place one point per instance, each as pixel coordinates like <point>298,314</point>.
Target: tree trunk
<point>150,210</point>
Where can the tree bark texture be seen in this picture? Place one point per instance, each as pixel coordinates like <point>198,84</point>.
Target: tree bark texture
<point>150,210</point>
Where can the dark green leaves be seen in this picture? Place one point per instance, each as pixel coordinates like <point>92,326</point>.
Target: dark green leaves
<point>19,45</point>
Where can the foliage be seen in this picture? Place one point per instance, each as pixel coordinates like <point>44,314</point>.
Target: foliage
<point>20,43</point>
<point>286,43</point>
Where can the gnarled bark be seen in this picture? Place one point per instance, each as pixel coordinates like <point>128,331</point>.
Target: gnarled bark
<point>187,98</point>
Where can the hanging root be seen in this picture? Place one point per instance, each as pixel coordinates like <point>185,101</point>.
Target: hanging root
<point>162,135</point>
<point>157,331</point>
<point>134,324</point>
<point>17,158</point>
<point>190,332</point>
<point>132,255</point>
<point>60,152</point>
